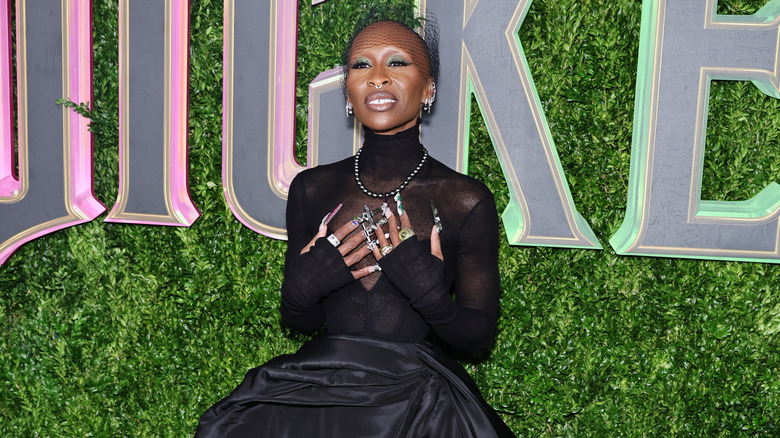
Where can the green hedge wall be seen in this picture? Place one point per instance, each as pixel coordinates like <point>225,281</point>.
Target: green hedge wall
<point>128,330</point>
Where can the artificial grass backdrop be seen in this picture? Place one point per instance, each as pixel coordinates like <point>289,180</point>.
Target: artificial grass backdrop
<point>115,330</point>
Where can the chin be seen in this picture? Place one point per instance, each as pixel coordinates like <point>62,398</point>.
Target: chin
<point>390,128</point>
<point>384,130</point>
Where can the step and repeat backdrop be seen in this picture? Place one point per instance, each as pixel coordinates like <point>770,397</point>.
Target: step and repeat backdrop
<point>147,147</point>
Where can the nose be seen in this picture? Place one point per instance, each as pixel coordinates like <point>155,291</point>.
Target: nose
<point>378,85</point>
<point>379,77</point>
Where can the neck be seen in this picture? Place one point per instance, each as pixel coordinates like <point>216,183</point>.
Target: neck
<point>387,160</point>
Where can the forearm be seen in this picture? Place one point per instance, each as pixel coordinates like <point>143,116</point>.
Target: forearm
<point>456,324</point>
<point>309,279</point>
<point>305,319</point>
<point>419,276</point>
<point>471,330</point>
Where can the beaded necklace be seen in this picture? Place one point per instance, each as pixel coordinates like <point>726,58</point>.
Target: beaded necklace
<point>393,192</point>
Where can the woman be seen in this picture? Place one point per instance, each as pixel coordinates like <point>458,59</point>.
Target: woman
<point>379,296</point>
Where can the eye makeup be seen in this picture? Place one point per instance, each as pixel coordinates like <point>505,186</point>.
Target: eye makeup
<point>361,62</point>
<point>397,61</point>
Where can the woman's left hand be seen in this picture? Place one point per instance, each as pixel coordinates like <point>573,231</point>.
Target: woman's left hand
<point>396,237</point>
<point>416,271</point>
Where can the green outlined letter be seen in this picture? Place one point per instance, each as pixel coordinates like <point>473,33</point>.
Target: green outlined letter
<point>492,66</point>
<point>684,45</point>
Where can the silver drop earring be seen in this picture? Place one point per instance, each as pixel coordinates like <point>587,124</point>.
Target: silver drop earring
<point>429,101</point>
<point>349,110</point>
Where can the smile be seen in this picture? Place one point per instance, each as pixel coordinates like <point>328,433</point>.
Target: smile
<point>380,101</point>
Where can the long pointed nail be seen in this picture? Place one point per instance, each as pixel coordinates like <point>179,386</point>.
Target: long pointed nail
<point>328,217</point>
<point>398,204</point>
<point>436,219</point>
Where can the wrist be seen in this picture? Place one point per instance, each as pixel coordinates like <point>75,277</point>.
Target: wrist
<point>413,270</point>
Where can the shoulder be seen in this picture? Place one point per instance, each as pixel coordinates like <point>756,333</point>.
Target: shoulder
<point>310,181</point>
<point>339,167</point>
<point>471,191</point>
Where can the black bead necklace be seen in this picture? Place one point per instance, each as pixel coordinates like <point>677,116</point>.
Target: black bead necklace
<point>398,189</point>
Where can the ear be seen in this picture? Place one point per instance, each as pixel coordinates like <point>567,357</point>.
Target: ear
<point>430,90</point>
<point>346,96</point>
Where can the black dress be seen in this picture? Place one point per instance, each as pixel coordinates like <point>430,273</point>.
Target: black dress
<point>373,375</point>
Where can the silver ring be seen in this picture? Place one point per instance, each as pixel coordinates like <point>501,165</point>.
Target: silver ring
<point>334,240</point>
<point>379,87</point>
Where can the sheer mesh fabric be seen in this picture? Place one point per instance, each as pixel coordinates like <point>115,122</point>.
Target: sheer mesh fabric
<point>393,33</point>
<point>458,298</point>
<point>419,35</point>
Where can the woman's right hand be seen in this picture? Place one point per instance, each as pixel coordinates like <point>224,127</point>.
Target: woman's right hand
<point>346,247</point>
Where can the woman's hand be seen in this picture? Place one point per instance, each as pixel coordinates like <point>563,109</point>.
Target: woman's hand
<point>396,237</point>
<point>347,247</point>
<point>416,271</point>
<point>351,255</point>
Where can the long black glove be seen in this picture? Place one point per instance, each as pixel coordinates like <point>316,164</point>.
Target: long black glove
<point>312,277</point>
<point>419,276</point>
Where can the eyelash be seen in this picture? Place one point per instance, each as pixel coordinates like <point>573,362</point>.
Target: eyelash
<point>391,63</point>
<point>397,63</point>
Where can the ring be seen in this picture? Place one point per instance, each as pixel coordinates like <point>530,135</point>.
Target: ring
<point>334,240</point>
<point>385,250</point>
<point>406,233</point>
<point>376,268</point>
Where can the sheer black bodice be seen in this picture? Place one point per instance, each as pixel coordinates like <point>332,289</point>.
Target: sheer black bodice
<point>415,291</point>
<point>372,376</point>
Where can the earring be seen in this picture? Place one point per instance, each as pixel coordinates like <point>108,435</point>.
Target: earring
<point>349,111</point>
<point>429,101</point>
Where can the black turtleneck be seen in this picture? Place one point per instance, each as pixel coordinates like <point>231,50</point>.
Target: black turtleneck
<point>387,160</point>
<point>415,291</point>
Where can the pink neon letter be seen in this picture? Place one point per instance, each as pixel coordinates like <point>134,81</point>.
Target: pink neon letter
<point>55,147</point>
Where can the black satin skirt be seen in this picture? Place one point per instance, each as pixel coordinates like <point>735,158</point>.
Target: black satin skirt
<point>347,387</point>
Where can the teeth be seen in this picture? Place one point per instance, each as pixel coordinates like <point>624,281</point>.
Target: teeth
<point>381,101</point>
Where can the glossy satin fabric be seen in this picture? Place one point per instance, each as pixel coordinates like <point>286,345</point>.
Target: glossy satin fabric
<point>344,386</point>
